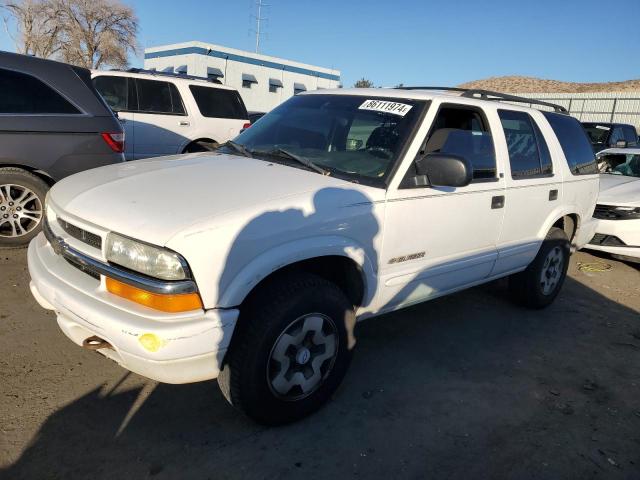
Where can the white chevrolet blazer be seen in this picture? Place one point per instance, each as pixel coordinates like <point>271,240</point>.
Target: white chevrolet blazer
<point>253,263</point>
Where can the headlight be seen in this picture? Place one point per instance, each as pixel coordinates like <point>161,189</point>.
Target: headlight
<point>627,212</point>
<point>147,259</point>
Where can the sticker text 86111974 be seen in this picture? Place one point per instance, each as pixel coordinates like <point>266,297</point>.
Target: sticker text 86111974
<point>387,107</point>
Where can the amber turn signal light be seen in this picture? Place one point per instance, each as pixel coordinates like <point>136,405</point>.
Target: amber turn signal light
<point>182,302</point>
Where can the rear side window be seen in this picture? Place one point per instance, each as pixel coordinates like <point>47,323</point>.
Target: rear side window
<point>114,91</point>
<point>528,152</point>
<point>22,94</point>
<point>574,142</point>
<point>159,97</point>
<point>218,102</point>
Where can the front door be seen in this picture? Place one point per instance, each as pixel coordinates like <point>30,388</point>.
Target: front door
<point>439,239</point>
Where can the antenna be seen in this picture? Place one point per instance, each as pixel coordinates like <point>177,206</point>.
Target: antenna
<point>259,18</point>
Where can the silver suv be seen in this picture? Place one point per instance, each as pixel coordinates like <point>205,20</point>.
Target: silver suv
<point>53,124</point>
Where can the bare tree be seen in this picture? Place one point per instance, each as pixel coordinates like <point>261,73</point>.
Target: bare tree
<point>37,23</point>
<point>98,33</point>
<point>89,33</point>
<point>363,83</point>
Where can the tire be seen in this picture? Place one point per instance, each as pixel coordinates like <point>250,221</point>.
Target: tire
<point>22,197</point>
<point>529,288</point>
<point>271,327</point>
<point>201,146</point>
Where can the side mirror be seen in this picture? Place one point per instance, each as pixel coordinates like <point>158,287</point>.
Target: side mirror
<point>445,170</point>
<point>621,144</point>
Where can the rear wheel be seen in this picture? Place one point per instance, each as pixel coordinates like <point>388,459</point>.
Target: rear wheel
<point>540,283</point>
<point>290,350</point>
<point>22,197</point>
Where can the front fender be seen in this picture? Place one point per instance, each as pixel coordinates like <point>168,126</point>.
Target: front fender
<point>286,254</point>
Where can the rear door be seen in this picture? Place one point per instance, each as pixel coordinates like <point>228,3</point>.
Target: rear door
<point>534,189</point>
<point>162,125</point>
<point>120,95</point>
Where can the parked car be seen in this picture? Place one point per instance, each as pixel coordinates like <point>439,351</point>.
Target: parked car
<point>165,113</point>
<point>618,208</point>
<point>52,124</point>
<point>608,135</point>
<point>336,206</point>
<point>255,116</point>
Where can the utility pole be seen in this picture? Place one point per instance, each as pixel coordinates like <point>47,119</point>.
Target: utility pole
<point>259,19</point>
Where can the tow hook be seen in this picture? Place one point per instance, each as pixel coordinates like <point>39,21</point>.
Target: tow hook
<point>95,343</point>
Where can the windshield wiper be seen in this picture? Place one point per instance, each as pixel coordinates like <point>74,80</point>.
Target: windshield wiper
<point>241,149</point>
<point>281,152</point>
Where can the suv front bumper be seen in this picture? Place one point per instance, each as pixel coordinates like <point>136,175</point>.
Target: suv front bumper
<point>170,348</point>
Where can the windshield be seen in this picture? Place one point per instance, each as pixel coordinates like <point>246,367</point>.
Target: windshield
<point>620,164</point>
<point>597,133</point>
<point>351,136</point>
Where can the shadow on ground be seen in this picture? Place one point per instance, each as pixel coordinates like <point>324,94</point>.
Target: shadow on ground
<point>467,386</point>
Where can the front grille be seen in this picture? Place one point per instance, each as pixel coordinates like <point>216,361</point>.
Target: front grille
<point>606,240</point>
<point>79,234</point>
<point>84,268</point>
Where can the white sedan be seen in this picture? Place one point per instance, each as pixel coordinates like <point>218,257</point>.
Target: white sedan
<point>618,208</point>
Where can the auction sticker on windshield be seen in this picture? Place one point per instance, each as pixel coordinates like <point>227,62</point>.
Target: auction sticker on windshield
<point>387,107</point>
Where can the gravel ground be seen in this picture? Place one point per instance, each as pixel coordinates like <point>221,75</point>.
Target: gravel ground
<point>467,386</point>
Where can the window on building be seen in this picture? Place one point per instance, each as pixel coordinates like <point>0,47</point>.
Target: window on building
<point>299,88</point>
<point>218,102</point>
<point>574,142</point>
<point>248,80</point>
<point>155,96</point>
<point>274,85</point>
<point>23,94</point>
<point>464,132</point>
<point>528,153</point>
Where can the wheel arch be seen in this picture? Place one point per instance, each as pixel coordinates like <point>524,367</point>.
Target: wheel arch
<point>191,142</point>
<point>44,176</point>
<point>334,259</point>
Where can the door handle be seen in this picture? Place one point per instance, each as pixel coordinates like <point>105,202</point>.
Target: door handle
<point>497,202</point>
<point>553,195</point>
<point>184,123</point>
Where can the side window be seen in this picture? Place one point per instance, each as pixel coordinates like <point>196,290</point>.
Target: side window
<point>574,142</point>
<point>114,91</point>
<point>465,132</point>
<point>616,136</point>
<point>155,96</point>
<point>26,95</point>
<point>630,135</point>
<point>218,102</point>
<point>528,153</point>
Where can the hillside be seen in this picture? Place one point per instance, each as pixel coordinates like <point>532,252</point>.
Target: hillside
<point>517,84</point>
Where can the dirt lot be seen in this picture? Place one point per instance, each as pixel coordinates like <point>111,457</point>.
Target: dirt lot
<point>467,386</point>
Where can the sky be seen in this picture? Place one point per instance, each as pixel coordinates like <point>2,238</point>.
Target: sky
<point>414,42</point>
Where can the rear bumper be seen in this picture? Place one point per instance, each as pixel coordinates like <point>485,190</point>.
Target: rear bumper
<point>180,348</point>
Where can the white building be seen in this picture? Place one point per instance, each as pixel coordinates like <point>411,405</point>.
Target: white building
<point>263,81</point>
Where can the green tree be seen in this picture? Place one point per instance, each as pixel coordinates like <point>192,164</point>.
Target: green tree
<point>363,83</point>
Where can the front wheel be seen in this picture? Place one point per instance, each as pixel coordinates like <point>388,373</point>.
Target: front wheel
<point>540,283</point>
<point>290,351</point>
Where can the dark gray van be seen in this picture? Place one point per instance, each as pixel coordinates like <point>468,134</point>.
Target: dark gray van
<point>53,124</point>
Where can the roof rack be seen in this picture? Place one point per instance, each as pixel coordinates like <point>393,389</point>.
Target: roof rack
<point>167,74</point>
<point>493,96</point>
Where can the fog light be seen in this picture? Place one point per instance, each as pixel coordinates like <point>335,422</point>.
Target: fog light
<point>151,342</point>
<point>183,302</point>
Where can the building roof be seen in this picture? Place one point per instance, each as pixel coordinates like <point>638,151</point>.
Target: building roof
<point>218,51</point>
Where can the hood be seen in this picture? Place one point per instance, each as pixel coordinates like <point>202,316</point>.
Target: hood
<point>619,190</point>
<point>154,199</point>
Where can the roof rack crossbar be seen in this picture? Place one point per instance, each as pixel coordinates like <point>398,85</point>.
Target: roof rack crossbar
<point>167,74</point>
<point>493,96</point>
